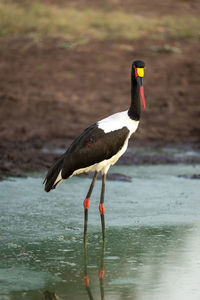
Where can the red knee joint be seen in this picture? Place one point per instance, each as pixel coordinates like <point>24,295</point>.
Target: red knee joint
<point>86,281</point>
<point>101,273</point>
<point>101,208</point>
<point>86,203</point>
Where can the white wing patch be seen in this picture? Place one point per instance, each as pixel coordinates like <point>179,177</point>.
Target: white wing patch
<point>118,121</point>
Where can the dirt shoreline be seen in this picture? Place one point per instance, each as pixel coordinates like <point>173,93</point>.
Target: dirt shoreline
<point>18,158</point>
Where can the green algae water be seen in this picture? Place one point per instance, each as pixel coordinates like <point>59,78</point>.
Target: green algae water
<point>152,237</point>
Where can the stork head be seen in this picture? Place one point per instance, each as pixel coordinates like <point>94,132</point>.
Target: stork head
<point>138,71</point>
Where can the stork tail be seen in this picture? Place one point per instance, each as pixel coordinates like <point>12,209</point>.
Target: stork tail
<point>52,178</point>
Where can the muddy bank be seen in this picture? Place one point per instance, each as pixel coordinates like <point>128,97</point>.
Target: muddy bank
<point>50,92</point>
<point>34,155</point>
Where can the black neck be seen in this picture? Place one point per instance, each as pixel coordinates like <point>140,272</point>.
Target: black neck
<point>134,110</point>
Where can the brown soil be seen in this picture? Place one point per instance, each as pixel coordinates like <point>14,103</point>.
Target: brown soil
<point>49,93</point>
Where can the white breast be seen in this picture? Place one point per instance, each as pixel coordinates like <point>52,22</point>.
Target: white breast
<point>118,121</point>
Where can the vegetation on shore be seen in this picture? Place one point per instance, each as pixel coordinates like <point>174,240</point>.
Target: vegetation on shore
<point>42,20</point>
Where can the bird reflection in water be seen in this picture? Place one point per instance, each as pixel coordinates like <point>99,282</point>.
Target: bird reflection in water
<point>86,280</point>
<point>101,273</point>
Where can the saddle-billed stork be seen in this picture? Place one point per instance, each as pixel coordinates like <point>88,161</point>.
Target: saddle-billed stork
<point>100,146</point>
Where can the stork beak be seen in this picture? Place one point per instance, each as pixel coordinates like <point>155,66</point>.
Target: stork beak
<point>139,73</point>
<point>140,82</point>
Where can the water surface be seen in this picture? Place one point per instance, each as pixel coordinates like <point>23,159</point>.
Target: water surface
<point>152,237</point>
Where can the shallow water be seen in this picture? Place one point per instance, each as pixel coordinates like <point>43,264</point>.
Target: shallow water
<point>152,237</point>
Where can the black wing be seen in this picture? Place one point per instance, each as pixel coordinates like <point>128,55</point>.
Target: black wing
<point>92,146</point>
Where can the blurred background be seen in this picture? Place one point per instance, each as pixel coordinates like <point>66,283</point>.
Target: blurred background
<point>66,64</point>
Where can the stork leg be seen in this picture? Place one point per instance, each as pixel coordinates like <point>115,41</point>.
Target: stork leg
<point>86,205</point>
<point>101,206</point>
